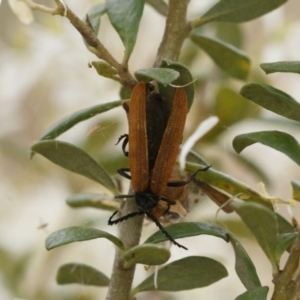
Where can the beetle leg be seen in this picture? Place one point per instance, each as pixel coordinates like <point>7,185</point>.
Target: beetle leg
<point>123,173</point>
<point>164,231</point>
<point>124,144</point>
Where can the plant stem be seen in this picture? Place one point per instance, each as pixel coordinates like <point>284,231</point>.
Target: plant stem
<point>175,33</point>
<point>130,232</point>
<point>89,36</point>
<point>287,283</point>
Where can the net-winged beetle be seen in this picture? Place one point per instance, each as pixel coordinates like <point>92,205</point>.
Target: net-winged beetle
<point>154,142</point>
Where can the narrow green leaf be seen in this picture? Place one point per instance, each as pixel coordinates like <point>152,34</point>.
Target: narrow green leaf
<point>230,33</point>
<point>75,160</point>
<point>244,266</point>
<point>281,66</point>
<point>230,107</point>
<point>256,294</point>
<point>185,78</point>
<point>81,274</point>
<point>71,120</point>
<point>92,200</point>
<point>93,18</point>
<point>125,17</point>
<point>278,140</point>
<point>296,190</point>
<point>285,240</point>
<point>229,184</point>
<point>236,11</point>
<point>262,223</point>
<point>229,58</point>
<point>94,15</point>
<point>159,5</point>
<point>125,92</point>
<point>146,254</point>
<point>185,274</point>
<point>162,75</point>
<point>272,99</point>
<point>104,69</point>
<point>187,229</point>
<point>78,234</point>
<point>194,157</point>
<point>284,226</point>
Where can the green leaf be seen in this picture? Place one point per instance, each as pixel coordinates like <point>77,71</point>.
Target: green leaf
<point>159,5</point>
<point>284,226</point>
<point>92,200</point>
<point>244,266</point>
<point>194,157</point>
<point>256,294</point>
<point>71,120</point>
<point>94,15</point>
<point>230,33</point>
<point>229,184</point>
<point>285,240</point>
<point>93,18</point>
<point>281,66</point>
<point>125,92</point>
<point>146,254</point>
<point>296,190</point>
<point>236,11</point>
<point>229,58</point>
<point>262,223</point>
<point>125,17</point>
<point>230,107</point>
<point>278,140</point>
<point>104,69</point>
<point>75,160</point>
<point>272,99</point>
<point>78,234</point>
<point>187,229</point>
<point>81,274</point>
<point>185,274</point>
<point>162,75</point>
<point>185,78</point>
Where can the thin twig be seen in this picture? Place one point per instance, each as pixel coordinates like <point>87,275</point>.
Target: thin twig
<point>176,31</point>
<point>39,7</point>
<point>89,36</point>
<point>130,232</point>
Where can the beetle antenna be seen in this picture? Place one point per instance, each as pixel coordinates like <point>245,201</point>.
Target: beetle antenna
<point>131,215</point>
<point>182,183</point>
<point>164,231</point>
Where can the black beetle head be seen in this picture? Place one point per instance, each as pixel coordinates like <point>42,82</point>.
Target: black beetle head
<point>146,201</point>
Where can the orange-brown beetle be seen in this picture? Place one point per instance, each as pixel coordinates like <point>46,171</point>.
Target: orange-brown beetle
<point>154,141</point>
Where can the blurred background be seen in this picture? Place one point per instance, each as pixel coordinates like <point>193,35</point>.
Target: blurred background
<point>44,76</point>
